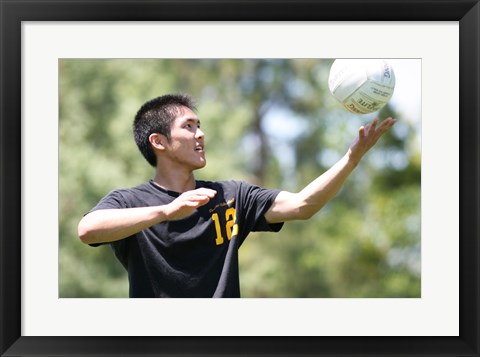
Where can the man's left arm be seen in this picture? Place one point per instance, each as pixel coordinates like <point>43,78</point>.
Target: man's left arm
<point>304,204</point>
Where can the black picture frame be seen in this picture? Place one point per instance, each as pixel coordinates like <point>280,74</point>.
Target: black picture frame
<point>13,12</point>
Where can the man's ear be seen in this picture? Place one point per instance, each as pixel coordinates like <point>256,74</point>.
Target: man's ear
<point>157,141</point>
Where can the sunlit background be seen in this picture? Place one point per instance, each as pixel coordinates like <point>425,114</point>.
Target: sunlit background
<point>268,122</point>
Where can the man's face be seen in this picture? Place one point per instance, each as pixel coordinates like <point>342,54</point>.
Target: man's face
<point>186,146</point>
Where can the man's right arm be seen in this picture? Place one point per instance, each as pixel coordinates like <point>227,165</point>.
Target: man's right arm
<point>109,225</point>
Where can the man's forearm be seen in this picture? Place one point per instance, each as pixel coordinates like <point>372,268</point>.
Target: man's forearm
<point>304,204</point>
<point>320,191</point>
<point>108,225</point>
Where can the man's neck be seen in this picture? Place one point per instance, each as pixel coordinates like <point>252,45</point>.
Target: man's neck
<point>176,182</point>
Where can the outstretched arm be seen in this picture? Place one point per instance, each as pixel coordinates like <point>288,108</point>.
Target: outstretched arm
<point>304,204</point>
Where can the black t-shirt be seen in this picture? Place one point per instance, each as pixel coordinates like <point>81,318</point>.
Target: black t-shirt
<point>196,256</point>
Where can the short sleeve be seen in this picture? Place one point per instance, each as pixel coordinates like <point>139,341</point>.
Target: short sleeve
<point>114,200</point>
<point>257,201</point>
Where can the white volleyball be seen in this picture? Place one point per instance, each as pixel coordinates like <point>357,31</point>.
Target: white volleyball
<point>362,86</point>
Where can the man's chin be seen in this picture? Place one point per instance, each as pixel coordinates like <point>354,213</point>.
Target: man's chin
<point>201,165</point>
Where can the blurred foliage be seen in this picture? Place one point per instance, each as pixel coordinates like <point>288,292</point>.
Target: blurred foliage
<point>270,122</point>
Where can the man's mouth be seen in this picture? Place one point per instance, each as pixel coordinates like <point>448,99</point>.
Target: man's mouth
<point>199,148</point>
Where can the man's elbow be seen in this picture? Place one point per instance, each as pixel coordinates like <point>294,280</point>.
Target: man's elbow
<point>85,232</point>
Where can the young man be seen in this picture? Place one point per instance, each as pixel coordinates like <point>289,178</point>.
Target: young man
<point>179,237</point>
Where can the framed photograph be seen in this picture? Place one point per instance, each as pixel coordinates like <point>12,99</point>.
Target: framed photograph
<point>39,38</point>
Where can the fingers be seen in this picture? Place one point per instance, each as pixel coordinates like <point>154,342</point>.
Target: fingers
<point>361,132</point>
<point>368,137</point>
<point>198,197</point>
<point>377,131</point>
<point>185,204</point>
<point>386,125</point>
<point>370,129</point>
<point>207,191</point>
<point>204,193</point>
<point>373,125</point>
<point>370,134</point>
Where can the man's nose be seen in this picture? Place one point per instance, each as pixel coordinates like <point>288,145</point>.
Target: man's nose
<point>199,134</point>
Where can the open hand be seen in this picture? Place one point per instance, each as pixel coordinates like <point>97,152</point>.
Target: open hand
<point>185,204</point>
<point>368,137</point>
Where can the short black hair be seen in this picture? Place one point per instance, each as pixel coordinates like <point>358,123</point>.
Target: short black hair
<point>157,116</point>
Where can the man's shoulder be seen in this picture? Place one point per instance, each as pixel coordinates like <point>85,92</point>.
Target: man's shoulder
<point>136,194</point>
<point>143,187</point>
